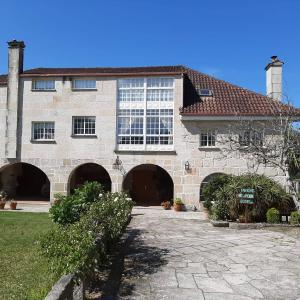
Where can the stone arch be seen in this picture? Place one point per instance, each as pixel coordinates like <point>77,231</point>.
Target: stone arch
<point>206,181</point>
<point>89,172</point>
<point>149,184</point>
<point>24,181</point>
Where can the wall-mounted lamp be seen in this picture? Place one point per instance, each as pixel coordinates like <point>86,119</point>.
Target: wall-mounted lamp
<point>187,166</point>
<point>117,164</point>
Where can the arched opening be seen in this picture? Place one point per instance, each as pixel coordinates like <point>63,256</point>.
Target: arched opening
<point>23,181</point>
<point>89,172</point>
<point>205,181</point>
<point>149,185</point>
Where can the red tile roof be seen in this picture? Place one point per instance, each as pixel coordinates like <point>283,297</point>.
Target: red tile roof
<point>226,100</point>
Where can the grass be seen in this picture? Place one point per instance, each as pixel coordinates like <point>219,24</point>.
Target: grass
<point>24,274</point>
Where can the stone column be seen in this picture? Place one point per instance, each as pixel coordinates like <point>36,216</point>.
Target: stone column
<point>15,67</point>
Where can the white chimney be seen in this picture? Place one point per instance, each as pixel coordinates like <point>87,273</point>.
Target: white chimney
<point>15,67</point>
<point>274,78</point>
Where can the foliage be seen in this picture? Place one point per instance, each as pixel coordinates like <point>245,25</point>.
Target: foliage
<point>273,216</point>
<point>295,217</point>
<point>268,194</point>
<point>68,209</point>
<point>178,201</point>
<point>81,247</point>
<point>24,273</point>
<point>211,187</point>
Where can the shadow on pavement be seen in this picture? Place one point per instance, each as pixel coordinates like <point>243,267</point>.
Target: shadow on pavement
<point>135,259</point>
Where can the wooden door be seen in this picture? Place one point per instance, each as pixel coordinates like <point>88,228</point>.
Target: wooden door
<point>144,188</point>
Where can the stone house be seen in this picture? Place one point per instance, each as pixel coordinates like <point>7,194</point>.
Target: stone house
<point>150,130</point>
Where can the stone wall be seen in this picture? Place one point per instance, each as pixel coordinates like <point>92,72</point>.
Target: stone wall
<point>58,160</point>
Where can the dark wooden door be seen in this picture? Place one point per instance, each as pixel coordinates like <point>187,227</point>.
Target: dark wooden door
<point>145,188</point>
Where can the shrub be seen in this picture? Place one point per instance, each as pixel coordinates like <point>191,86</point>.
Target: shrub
<point>68,209</point>
<point>210,189</point>
<point>178,201</point>
<point>81,247</point>
<point>273,215</point>
<point>295,217</point>
<point>268,194</point>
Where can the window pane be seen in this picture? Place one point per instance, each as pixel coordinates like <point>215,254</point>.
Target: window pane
<point>84,84</point>
<point>44,85</point>
<point>43,131</point>
<point>84,125</point>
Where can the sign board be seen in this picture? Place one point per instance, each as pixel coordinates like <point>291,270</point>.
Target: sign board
<point>246,196</point>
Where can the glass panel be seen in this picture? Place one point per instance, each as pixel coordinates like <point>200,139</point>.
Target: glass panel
<point>44,85</point>
<point>84,84</point>
<point>43,131</point>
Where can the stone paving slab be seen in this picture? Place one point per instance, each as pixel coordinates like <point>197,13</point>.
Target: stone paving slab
<point>179,255</point>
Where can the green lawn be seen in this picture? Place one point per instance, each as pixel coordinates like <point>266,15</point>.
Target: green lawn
<point>24,273</point>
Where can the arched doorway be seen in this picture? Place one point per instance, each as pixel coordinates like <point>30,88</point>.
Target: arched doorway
<point>149,185</point>
<point>206,180</point>
<point>89,172</point>
<point>24,181</point>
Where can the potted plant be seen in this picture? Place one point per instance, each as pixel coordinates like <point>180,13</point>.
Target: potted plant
<point>13,204</point>
<point>166,204</point>
<point>2,199</point>
<point>178,204</point>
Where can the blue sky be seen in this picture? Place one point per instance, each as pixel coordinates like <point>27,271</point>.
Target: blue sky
<point>232,40</point>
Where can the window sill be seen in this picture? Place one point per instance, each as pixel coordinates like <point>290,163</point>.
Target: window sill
<point>83,90</point>
<point>150,152</point>
<point>42,141</point>
<point>33,90</point>
<point>86,136</point>
<point>211,148</point>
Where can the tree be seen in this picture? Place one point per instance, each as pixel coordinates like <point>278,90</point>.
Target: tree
<point>272,141</point>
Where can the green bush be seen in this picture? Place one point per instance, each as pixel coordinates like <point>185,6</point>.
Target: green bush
<point>268,194</point>
<point>81,247</point>
<point>273,216</point>
<point>295,218</point>
<point>209,190</point>
<point>68,209</point>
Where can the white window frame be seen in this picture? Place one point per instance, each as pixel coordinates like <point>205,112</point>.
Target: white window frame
<point>84,126</point>
<point>83,88</point>
<point>252,137</point>
<point>145,104</point>
<point>35,81</point>
<point>34,123</point>
<point>208,132</point>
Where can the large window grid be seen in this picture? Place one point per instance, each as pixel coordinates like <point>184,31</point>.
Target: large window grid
<point>145,113</point>
<point>43,131</point>
<point>84,125</point>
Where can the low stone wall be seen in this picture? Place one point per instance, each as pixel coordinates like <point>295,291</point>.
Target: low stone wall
<point>66,288</point>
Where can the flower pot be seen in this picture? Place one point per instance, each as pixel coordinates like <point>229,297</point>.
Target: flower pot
<point>178,207</point>
<point>13,205</point>
<point>2,204</point>
<point>166,205</point>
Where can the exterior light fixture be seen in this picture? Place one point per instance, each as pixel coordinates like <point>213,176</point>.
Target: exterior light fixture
<point>187,166</point>
<point>117,164</point>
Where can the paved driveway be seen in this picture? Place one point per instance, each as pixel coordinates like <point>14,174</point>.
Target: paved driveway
<point>173,255</point>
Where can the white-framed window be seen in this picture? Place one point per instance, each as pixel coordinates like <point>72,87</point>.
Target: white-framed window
<point>84,125</point>
<point>43,131</point>
<point>208,138</point>
<point>43,84</point>
<point>251,137</point>
<point>83,84</point>
<point>145,113</point>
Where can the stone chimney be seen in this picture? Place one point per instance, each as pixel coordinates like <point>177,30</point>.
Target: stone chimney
<point>274,78</point>
<point>15,67</point>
